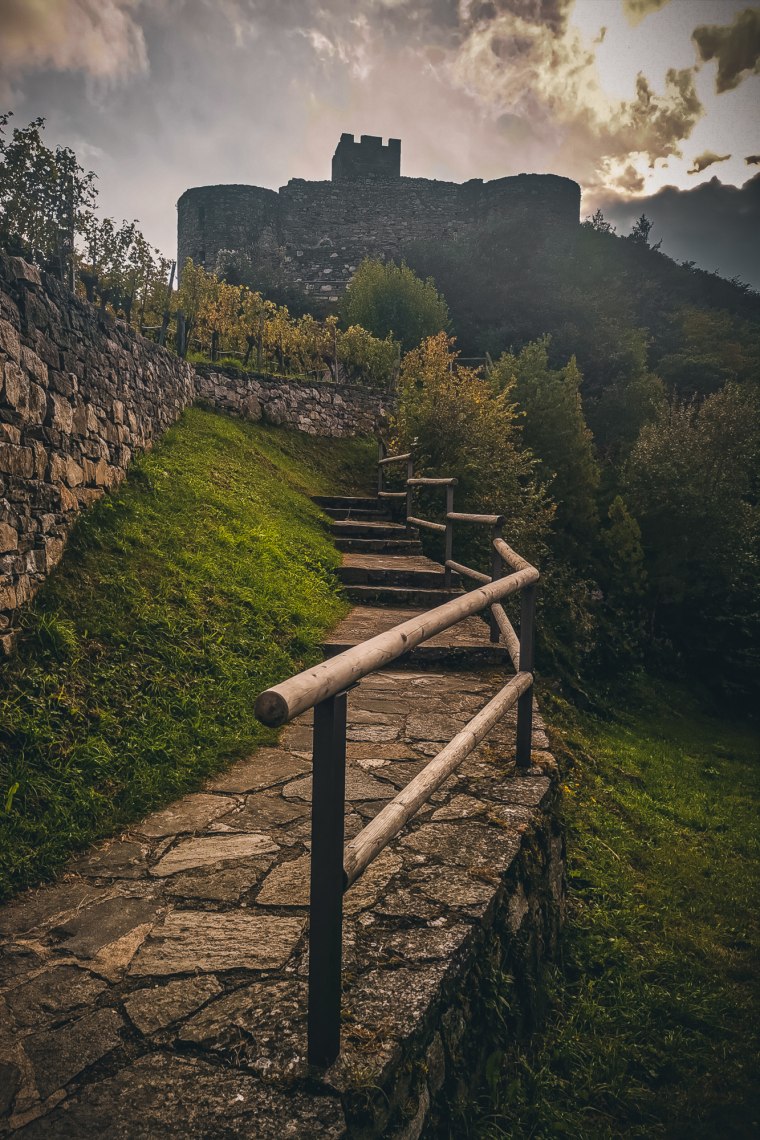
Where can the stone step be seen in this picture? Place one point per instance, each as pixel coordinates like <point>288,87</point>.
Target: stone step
<point>343,514</point>
<point>379,545</point>
<point>465,646</point>
<point>347,502</point>
<point>350,529</point>
<point>372,569</point>
<point>410,595</point>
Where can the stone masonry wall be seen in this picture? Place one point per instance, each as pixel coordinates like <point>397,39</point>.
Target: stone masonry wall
<point>316,233</point>
<point>317,408</point>
<point>81,393</point>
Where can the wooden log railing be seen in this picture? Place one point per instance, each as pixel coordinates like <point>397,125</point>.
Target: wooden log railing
<point>335,866</point>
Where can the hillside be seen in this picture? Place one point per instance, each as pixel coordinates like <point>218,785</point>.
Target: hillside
<point>203,580</point>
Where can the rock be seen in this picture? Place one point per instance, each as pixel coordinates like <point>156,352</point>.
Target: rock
<point>191,853</point>
<point>262,812</point>
<point>10,1083</point>
<point>192,813</point>
<point>189,941</point>
<point>156,1007</point>
<point>119,859</point>
<point>261,1026</point>
<point>90,929</point>
<point>466,845</point>
<point>360,785</point>
<point>267,767</point>
<point>161,1097</point>
<point>59,1055</point>
<point>287,885</point>
<point>372,883</point>
<point>50,995</point>
<point>8,538</point>
<point>225,885</point>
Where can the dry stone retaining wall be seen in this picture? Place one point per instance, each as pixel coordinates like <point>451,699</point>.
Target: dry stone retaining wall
<point>81,393</point>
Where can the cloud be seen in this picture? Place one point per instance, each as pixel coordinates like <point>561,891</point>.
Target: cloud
<point>511,65</point>
<point>736,47</point>
<point>636,10</point>
<point>716,225</point>
<point>752,160</point>
<point>101,38</point>
<point>707,158</point>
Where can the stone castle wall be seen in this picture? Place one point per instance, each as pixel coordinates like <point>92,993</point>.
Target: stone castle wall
<point>81,393</point>
<point>316,233</point>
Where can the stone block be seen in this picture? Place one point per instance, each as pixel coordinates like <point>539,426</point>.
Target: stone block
<point>10,342</point>
<point>191,940</point>
<point>8,538</point>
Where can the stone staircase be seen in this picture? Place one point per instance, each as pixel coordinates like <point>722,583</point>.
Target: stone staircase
<point>386,574</point>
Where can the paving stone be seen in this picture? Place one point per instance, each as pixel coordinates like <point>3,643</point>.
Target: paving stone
<point>464,844</point>
<point>10,1083</point>
<point>390,1003</point>
<point>261,812</point>
<point>298,737</point>
<point>262,1026</point>
<point>380,750</point>
<point>287,885</point>
<point>266,768</point>
<point>227,885</point>
<point>16,961</point>
<point>156,1007</point>
<point>433,727</point>
<point>192,853</point>
<point>51,995</point>
<point>374,882</point>
<point>528,791</point>
<point>420,943</point>
<point>360,785</point>
<point>190,941</point>
<point>373,732</point>
<point>461,807</point>
<point>94,927</point>
<point>43,907</point>
<point>59,1055</point>
<point>455,888</point>
<point>120,859</point>
<point>363,715</point>
<point>160,1097</point>
<point>406,903</point>
<point>193,813</point>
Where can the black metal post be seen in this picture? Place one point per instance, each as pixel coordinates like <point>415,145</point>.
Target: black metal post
<point>448,550</point>
<point>525,701</point>
<point>326,900</point>
<point>497,569</point>
<point>181,341</point>
<point>214,346</point>
<point>381,453</point>
<point>409,490</point>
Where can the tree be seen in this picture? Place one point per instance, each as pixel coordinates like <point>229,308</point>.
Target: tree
<point>554,428</point>
<point>391,300</point>
<point>692,481</point>
<point>46,198</point>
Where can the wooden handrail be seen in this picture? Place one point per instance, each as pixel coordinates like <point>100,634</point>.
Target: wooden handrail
<point>371,840</point>
<point>334,867</point>
<point>290,698</point>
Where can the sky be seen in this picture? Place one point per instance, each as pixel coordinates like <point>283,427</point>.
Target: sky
<point>653,106</point>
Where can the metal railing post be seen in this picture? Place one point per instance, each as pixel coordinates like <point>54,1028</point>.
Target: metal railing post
<point>381,453</point>
<point>525,701</point>
<point>409,490</point>
<point>327,880</point>
<point>497,569</point>
<point>449,538</point>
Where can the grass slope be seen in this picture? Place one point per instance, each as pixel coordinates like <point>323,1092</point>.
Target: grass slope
<point>655,1021</point>
<point>204,579</point>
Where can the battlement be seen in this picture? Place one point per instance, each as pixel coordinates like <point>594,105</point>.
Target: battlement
<point>368,158</point>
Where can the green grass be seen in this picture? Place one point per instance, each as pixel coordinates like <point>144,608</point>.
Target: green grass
<point>655,1020</point>
<point>204,579</point>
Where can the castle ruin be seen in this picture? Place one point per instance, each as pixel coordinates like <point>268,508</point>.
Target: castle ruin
<point>315,234</point>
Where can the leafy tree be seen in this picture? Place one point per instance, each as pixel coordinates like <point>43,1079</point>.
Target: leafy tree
<point>391,300</point>
<point>555,431</point>
<point>45,198</point>
<point>692,481</point>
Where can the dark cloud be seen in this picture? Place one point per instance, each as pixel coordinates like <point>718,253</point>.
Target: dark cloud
<point>707,158</point>
<point>736,47</point>
<point>717,226</point>
<point>101,38</point>
<point>636,10</point>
